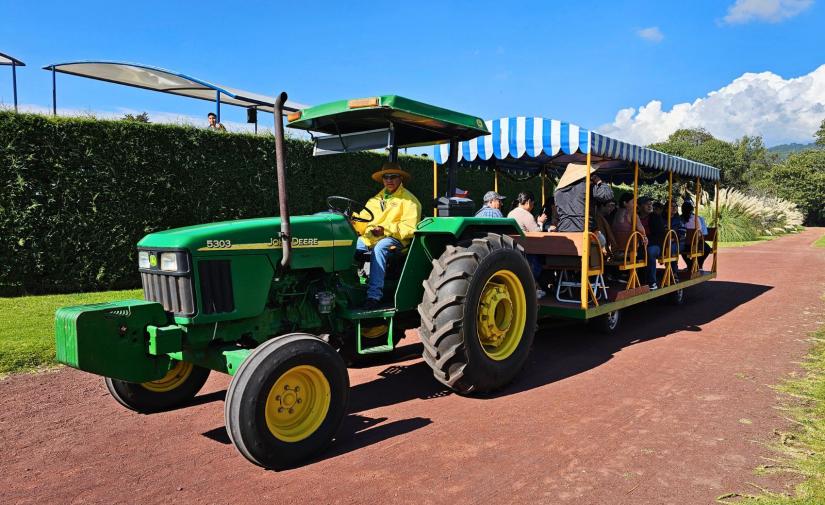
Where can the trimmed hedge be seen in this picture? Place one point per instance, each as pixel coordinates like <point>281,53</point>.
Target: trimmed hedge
<point>79,193</point>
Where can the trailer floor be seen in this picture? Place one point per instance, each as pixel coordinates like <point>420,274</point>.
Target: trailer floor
<point>675,408</point>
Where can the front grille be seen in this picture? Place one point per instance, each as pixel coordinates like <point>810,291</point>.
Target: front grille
<point>216,286</point>
<point>174,292</point>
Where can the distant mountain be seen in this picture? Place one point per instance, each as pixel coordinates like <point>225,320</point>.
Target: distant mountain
<point>785,150</point>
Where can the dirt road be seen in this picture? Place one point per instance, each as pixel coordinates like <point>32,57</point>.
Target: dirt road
<point>675,408</point>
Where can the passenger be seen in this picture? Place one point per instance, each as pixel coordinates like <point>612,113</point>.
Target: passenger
<point>623,221</point>
<point>492,205</point>
<point>658,209</point>
<point>690,224</point>
<point>607,238</point>
<point>678,226</point>
<point>396,213</point>
<point>523,214</point>
<point>551,221</point>
<point>655,232</point>
<point>570,195</point>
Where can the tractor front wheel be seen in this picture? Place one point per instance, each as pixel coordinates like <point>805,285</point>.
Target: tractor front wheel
<point>478,315</point>
<point>179,385</point>
<point>287,400</point>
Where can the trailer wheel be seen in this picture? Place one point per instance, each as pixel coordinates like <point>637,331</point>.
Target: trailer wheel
<point>287,400</point>
<point>178,386</point>
<point>677,297</point>
<point>608,323</point>
<point>478,315</point>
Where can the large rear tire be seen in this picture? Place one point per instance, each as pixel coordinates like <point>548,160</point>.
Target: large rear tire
<point>287,400</point>
<point>180,385</point>
<point>478,315</point>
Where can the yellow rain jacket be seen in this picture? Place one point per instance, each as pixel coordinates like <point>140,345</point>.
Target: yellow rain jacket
<point>399,214</point>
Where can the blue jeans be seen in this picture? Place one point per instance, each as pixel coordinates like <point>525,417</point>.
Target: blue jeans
<point>378,264</point>
<point>653,252</point>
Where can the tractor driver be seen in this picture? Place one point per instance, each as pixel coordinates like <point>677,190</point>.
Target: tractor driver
<point>396,214</point>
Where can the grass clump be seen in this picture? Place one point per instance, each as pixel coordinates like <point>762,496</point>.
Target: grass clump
<point>802,451</point>
<point>27,326</point>
<point>746,218</point>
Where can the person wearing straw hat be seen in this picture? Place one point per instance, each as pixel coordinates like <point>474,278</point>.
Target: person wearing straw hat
<point>396,213</point>
<point>570,195</point>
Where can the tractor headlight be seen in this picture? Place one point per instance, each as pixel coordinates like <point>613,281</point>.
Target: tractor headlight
<point>169,262</point>
<point>143,259</point>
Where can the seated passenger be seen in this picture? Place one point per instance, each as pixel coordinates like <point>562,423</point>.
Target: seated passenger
<point>551,220</point>
<point>690,221</point>
<point>570,195</point>
<point>492,205</point>
<point>523,214</point>
<point>606,237</point>
<point>396,214</point>
<point>623,221</point>
<point>678,226</point>
<point>655,233</point>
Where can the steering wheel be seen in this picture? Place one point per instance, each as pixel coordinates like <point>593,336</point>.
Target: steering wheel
<point>348,207</point>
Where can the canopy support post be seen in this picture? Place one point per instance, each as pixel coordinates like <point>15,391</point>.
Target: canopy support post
<point>585,279</point>
<point>543,193</point>
<point>435,189</point>
<point>716,225</point>
<point>256,119</point>
<point>14,83</point>
<point>633,277</point>
<point>54,92</point>
<point>452,167</point>
<point>495,180</point>
<point>218,105</point>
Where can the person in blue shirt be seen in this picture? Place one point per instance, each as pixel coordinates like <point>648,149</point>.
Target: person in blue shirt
<point>492,205</point>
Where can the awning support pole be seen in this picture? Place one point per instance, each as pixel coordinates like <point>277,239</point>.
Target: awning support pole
<point>435,189</point>
<point>14,83</point>
<point>452,166</point>
<point>543,193</point>
<point>256,120</point>
<point>716,225</point>
<point>495,180</point>
<point>218,105</point>
<point>585,279</point>
<point>54,92</point>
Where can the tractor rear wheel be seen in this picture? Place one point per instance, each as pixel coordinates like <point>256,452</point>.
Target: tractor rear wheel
<point>478,315</point>
<point>178,386</point>
<point>287,400</point>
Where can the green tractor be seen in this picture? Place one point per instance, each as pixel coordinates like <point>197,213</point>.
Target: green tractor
<point>274,302</point>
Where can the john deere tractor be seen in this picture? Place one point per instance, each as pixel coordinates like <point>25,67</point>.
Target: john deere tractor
<point>274,302</point>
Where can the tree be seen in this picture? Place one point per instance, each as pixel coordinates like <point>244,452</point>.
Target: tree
<point>820,134</point>
<point>800,179</point>
<point>143,117</point>
<point>699,145</point>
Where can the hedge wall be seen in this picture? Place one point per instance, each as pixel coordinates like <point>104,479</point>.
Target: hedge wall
<point>79,193</point>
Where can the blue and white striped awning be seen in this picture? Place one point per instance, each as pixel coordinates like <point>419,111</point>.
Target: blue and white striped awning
<point>532,139</point>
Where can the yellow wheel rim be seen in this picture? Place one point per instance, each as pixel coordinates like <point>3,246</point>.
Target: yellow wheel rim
<point>375,331</point>
<point>298,403</point>
<point>502,315</point>
<point>174,378</point>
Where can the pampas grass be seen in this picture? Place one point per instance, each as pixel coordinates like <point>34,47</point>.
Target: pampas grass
<point>744,217</point>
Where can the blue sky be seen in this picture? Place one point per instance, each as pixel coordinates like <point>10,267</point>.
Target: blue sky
<point>577,61</point>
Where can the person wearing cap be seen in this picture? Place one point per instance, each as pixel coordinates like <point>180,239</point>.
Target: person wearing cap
<point>570,194</point>
<point>492,205</point>
<point>213,122</point>
<point>396,213</point>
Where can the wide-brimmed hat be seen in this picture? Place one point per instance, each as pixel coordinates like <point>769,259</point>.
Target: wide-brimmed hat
<point>391,168</point>
<point>574,173</point>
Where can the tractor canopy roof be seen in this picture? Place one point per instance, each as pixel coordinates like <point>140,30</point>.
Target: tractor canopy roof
<point>383,121</point>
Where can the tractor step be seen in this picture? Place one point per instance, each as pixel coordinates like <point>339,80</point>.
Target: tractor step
<point>375,332</point>
<point>380,312</point>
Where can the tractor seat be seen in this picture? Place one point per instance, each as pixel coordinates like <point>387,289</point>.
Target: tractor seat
<point>395,262</point>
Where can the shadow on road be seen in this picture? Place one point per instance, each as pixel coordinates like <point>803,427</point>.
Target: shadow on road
<point>565,348</point>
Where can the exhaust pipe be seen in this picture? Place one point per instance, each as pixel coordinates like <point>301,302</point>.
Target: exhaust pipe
<point>280,164</point>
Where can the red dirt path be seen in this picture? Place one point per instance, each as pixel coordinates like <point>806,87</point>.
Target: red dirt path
<point>674,409</point>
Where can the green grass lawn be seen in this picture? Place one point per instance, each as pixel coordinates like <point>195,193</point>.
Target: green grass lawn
<point>27,326</point>
<point>725,245</point>
<point>820,242</point>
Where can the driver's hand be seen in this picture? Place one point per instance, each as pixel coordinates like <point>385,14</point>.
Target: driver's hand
<point>378,231</point>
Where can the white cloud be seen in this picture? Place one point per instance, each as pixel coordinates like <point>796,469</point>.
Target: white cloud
<point>652,34</point>
<point>772,11</point>
<point>781,110</point>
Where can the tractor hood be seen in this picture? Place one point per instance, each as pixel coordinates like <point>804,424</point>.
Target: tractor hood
<point>314,239</point>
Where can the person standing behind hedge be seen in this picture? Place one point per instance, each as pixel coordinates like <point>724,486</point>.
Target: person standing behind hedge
<point>213,122</point>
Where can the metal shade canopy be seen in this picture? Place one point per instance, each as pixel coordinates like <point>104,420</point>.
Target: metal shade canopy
<point>166,81</point>
<point>5,59</point>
